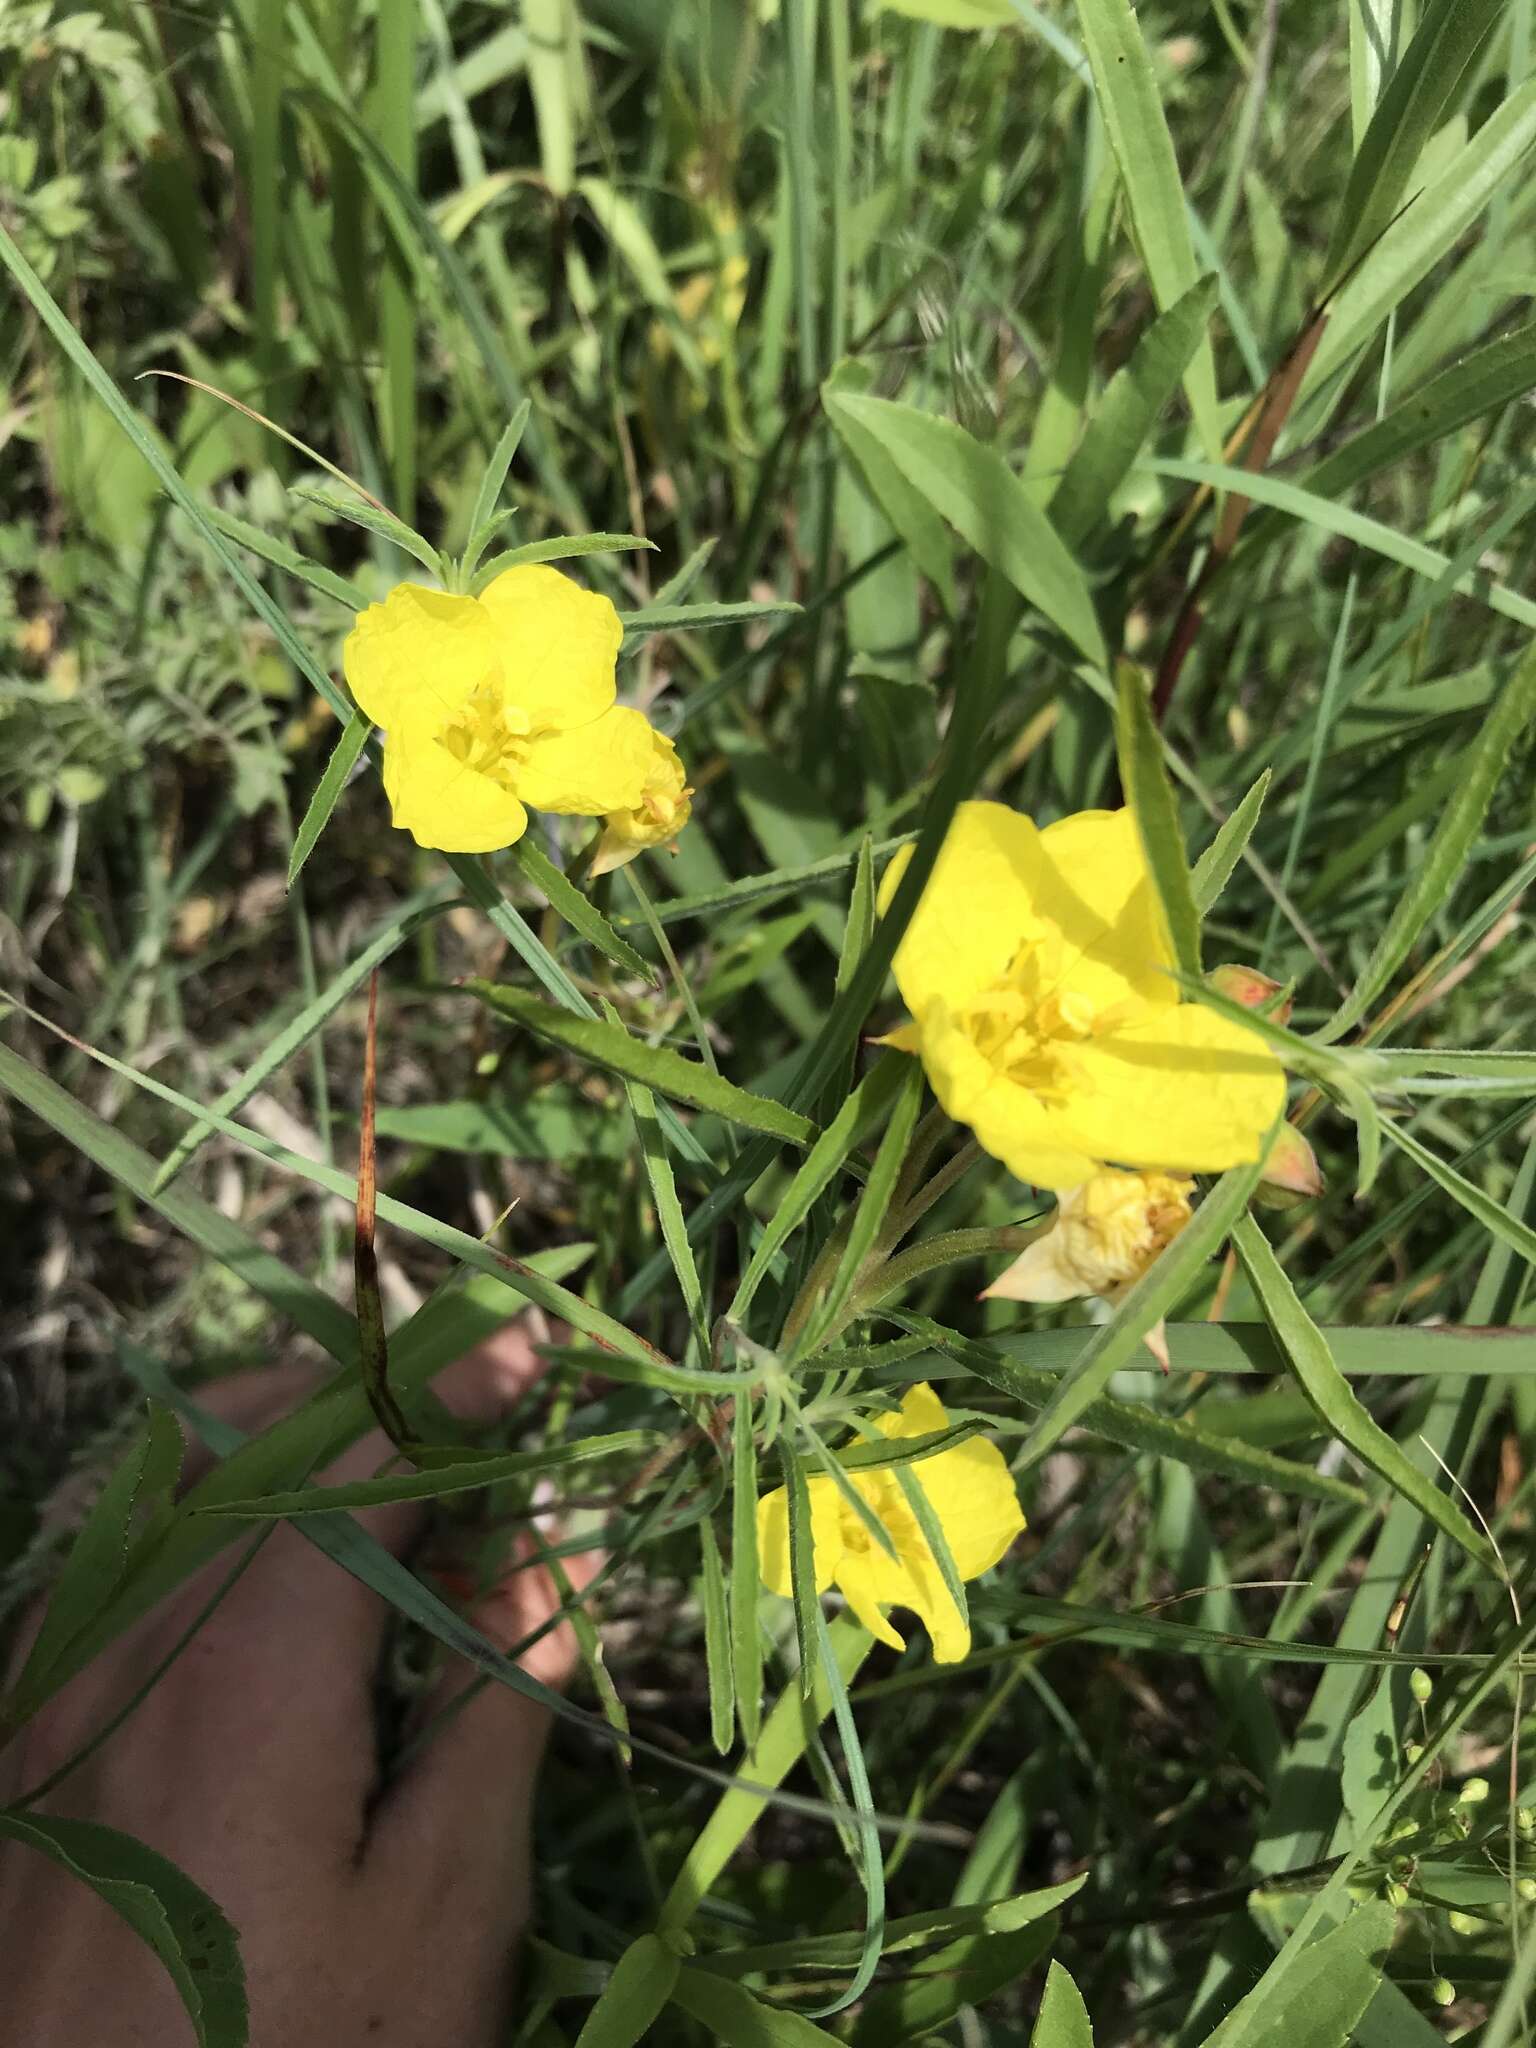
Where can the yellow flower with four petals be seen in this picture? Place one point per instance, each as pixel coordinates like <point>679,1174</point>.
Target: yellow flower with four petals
<point>496,703</point>
<point>971,1492</point>
<point>1036,971</point>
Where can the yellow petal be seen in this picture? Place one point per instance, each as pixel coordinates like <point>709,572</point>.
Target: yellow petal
<point>969,1488</point>
<point>856,1583</point>
<point>661,813</point>
<point>558,645</point>
<point>595,768</point>
<point>443,803</point>
<point>416,658</point>
<point>1107,910</point>
<point>977,908</point>
<point>773,1535</point>
<point>1042,1272</point>
<point>1182,1089</point>
<point>1010,1123</point>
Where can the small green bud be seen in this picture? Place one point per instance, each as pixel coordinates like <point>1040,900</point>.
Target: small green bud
<point>1525,1820</point>
<point>1402,1829</point>
<point>1413,1751</point>
<point>1526,1887</point>
<point>1474,1792</point>
<point>1463,1923</point>
<point>1395,1894</point>
<point>1401,1867</point>
<point>1421,1685</point>
<point>1443,1991</point>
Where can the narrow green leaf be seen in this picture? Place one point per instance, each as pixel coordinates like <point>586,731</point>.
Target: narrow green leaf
<point>578,909</point>
<point>911,1931</point>
<point>738,2020</point>
<point>1417,98</point>
<point>282,556</point>
<point>195,1944</point>
<point>682,618</point>
<point>1493,1216</point>
<point>1062,2021</point>
<point>868,1859</point>
<point>437,1481</point>
<point>746,1574</point>
<point>1130,409</point>
<point>560,548</point>
<point>717,1640</point>
<point>669,1073</point>
<point>802,1565</point>
<point>1125,86</point>
<point>908,510</point>
<point>1435,874</point>
<point>874,1203</point>
<point>343,760</point>
<point>860,926</point>
<point>494,476</point>
<point>974,489</point>
<point>1149,792</point>
<point>1325,1387</point>
<point>1213,870</point>
<point>640,1986</point>
<point>358,512</point>
<point>967,1972</point>
<point>669,1211</point>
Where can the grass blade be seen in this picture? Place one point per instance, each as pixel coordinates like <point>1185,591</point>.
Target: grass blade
<point>1149,792</point>
<point>344,758</point>
<point>1213,870</point>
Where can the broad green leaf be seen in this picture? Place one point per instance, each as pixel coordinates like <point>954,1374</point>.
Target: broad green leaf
<point>195,1944</point>
<point>640,1986</point>
<point>1324,1991</point>
<point>578,909</point>
<point>471,1471</point>
<point>1435,874</point>
<point>967,1972</point>
<point>1429,228</point>
<point>1325,1387</point>
<point>1416,99</point>
<point>909,511</point>
<point>669,1073</point>
<point>1133,402</point>
<point>1125,86</point>
<point>1213,870</point>
<point>1062,2021</point>
<point>1149,792</point>
<point>343,760</point>
<point>973,488</point>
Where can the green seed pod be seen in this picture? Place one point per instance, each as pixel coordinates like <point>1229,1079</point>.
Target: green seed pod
<point>1421,1685</point>
<point>1526,1887</point>
<point>1395,1894</point>
<point>1413,1751</point>
<point>1474,1792</point>
<point>1443,1991</point>
<point>1462,1923</point>
<point>1525,1820</point>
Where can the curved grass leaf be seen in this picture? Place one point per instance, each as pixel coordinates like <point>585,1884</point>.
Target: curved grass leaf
<point>1213,870</point>
<point>357,512</point>
<point>282,556</point>
<point>669,1073</point>
<point>1494,1217</point>
<point>494,475</point>
<point>640,1986</point>
<point>195,1944</point>
<point>1126,89</point>
<point>1435,874</point>
<point>974,489</point>
<point>736,2019</point>
<point>1133,402</point>
<point>344,758</point>
<point>1326,1388</point>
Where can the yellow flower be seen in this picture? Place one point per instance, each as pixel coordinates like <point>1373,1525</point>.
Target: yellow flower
<point>662,812</point>
<point>495,702</point>
<point>1104,1235</point>
<point>1035,968</point>
<point>970,1490</point>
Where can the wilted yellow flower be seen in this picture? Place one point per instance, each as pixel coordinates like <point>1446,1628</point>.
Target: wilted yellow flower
<point>1104,1235</point>
<point>662,812</point>
<point>1035,968</point>
<point>970,1490</point>
<point>495,702</point>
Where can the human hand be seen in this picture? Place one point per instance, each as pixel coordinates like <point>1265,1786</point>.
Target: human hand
<point>381,1920</point>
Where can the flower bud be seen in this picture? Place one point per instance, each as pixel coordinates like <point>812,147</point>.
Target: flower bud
<point>1412,1751</point>
<point>1421,1685</point>
<point>1526,1887</point>
<point>1395,1894</point>
<point>1291,1171</point>
<point>1473,1792</point>
<point>1464,1923</point>
<point>1443,1991</point>
<point>1525,1820</point>
<point>1253,990</point>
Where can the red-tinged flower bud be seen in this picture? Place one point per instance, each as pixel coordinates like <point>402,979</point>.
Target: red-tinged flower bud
<point>1253,990</point>
<point>1291,1171</point>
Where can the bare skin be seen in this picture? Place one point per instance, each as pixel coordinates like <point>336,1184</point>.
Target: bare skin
<point>252,1765</point>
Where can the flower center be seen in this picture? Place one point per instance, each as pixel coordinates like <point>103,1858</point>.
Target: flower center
<point>1028,1024</point>
<point>489,736</point>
